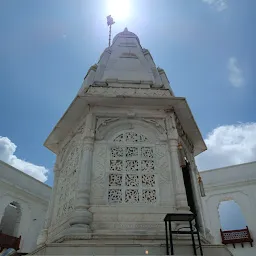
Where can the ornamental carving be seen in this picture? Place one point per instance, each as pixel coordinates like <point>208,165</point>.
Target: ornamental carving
<point>149,196</point>
<point>131,152</point>
<point>162,164</point>
<point>147,152</point>
<point>67,183</point>
<point>147,165</point>
<point>131,180</point>
<point>132,172</point>
<point>79,130</point>
<point>131,165</point>
<point>115,180</point>
<point>102,122</point>
<point>98,172</point>
<point>148,180</point>
<point>116,165</point>
<point>131,137</point>
<point>121,91</point>
<point>115,195</point>
<point>63,151</point>
<point>132,196</point>
<point>158,123</point>
<point>117,152</point>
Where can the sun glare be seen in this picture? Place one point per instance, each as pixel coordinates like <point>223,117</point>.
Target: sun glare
<point>118,9</point>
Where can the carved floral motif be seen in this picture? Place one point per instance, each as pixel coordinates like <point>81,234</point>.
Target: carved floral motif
<point>158,123</point>
<point>132,196</point>
<point>102,121</point>
<point>115,195</point>
<point>147,165</point>
<point>131,180</point>
<point>115,180</point>
<point>131,137</point>
<point>162,164</point>
<point>98,172</point>
<point>149,196</point>
<point>132,166</point>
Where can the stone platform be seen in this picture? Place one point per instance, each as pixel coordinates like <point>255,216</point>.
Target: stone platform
<point>121,247</point>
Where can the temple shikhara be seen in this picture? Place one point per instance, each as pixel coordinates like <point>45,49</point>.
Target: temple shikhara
<point>126,182</point>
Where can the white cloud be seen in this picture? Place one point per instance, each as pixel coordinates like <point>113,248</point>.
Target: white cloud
<point>7,150</point>
<point>229,145</point>
<point>219,5</point>
<point>235,73</point>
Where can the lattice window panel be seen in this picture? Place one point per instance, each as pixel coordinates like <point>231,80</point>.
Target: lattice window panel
<point>132,177</point>
<point>235,235</point>
<point>67,185</point>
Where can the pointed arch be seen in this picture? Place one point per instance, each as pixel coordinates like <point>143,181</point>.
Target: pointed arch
<point>227,208</point>
<point>107,129</point>
<point>10,221</point>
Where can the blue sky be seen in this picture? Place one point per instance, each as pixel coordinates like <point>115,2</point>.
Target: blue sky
<point>205,46</point>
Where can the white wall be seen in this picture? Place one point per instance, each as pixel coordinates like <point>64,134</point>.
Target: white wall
<point>236,183</point>
<point>32,197</point>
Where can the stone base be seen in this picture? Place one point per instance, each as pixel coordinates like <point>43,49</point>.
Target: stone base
<point>128,247</point>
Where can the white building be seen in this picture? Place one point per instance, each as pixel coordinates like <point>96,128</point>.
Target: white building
<point>121,148</point>
<point>234,183</point>
<point>23,205</point>
<point>120,168</point>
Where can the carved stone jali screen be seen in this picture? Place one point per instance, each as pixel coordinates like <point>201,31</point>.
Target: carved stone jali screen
<point>67,183</point>
<point>131,170</point>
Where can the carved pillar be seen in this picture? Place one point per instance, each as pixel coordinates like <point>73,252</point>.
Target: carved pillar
<point>82,217</point>
<point>49,214</point>
<point>198,200</point>
<point>180,192</point>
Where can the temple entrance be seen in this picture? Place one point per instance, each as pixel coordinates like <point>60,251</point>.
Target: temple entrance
<point>188,186</point>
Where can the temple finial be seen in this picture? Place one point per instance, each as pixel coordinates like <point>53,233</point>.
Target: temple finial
<point>110,22</point>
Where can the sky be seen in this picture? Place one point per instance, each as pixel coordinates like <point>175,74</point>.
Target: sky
<point>205,46</point>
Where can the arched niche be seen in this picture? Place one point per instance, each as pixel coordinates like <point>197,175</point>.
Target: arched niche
<point>213,202</point>
<point>230,215</point>
<point>139,135</point>
<point>11,218</point>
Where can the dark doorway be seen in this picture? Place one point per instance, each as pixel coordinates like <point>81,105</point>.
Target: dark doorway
<point>188,186</point>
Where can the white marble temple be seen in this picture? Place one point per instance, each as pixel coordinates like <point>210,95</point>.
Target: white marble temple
<point>117,171</point>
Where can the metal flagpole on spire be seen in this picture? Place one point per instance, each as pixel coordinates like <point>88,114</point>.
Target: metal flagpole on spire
<point>110,22</point>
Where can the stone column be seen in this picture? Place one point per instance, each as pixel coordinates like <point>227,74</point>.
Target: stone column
<point>178,182</point>
<point>198,199</point>
<point>82,217</point>
<point>49,214</point>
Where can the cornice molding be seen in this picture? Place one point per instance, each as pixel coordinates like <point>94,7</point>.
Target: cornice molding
<point>19,189</point>
<point>126,91</point>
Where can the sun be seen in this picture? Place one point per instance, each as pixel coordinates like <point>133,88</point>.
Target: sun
<point>118,9</point>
